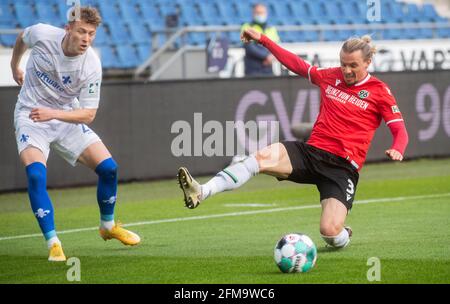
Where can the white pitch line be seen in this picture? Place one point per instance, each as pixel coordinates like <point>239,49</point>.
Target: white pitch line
<point>211,216</point>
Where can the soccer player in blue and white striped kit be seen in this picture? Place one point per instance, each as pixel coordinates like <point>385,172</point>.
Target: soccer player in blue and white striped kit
<point>59,96</point>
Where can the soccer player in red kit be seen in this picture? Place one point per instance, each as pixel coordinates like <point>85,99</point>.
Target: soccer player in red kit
<point>353,103</point>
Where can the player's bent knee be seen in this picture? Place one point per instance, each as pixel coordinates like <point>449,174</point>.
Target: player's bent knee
<point>107,168</point>
<point>36,175</point>
<point>330,229</point>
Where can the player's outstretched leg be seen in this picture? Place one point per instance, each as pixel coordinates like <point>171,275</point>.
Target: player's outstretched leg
<point>229,178</point>
<point>106,198</point>
<point>332,228</point>
<point>43,209</point>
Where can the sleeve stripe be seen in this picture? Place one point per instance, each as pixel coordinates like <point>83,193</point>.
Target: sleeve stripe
<point>394,120</point>
<point>309,75</point>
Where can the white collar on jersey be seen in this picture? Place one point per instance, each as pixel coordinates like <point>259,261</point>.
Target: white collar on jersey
<point>363,81</point>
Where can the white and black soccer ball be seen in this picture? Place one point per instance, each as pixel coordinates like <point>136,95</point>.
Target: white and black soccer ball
<point>295,252</point>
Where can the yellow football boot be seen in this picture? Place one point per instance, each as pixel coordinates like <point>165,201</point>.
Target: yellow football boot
<point>56,253</point>
<point>117,232</point>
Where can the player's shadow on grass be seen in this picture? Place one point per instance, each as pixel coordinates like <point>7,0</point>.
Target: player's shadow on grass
<point>330,249</point>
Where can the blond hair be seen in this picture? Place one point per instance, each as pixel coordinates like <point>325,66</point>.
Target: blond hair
<point>87,14</point>
<point>364,44</point>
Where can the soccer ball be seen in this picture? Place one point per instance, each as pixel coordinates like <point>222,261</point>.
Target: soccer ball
<point>295,252</point>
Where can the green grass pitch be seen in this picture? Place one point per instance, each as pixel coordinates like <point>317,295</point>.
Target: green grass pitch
<point>401,216</point>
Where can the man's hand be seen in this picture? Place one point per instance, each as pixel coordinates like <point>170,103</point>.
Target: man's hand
<point>249,35</point>
<point>394,154</point>
<point>268,61</point>
<point>42,114</point>
<point>18,75</point>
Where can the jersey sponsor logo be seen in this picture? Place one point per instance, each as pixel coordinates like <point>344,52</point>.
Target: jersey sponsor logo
<point>343,97</point>
<point>41,213</point>
<point>395,109</point>
<point>66,80</point>
<point>24,138</point>
<point>45,78</point>
<point>93,88</point>
<point>363,94</point>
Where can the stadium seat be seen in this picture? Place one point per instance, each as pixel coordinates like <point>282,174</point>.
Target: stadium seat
<point>102,37</point>
<point>139,32</point>
<point>108,57</point>
<point>47,13</point>
<point>6,15</point>
<point>8,40</point>
<point>119,32</point>
<point>144,51</point>
<point>25,14</point>
<point>128,11</point>
<point>128,56</point>
<point>209,13</point>
<point>430,14</point>
<point>227,13</point>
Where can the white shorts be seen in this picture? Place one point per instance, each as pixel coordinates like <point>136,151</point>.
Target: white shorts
<point>69,140</point>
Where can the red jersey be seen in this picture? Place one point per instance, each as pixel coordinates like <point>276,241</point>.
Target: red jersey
<point>349,115</point>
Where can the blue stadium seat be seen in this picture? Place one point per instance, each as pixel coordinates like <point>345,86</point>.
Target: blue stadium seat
<point>25,14</point>
<point>108,57</point>
<point>316,10</point>
<point>393,34</point>
<point>430,14</point>
<point>280,10</point>
<point>108,12</point>
<point>330,35</point>
<point>6,15</point>
<point>139,32</point>
<point>118,31</point>
<point>128,11</point>
<point>443,32</point>
<point>243,10</point>
<point>210,14</point>
<point>128,56</point>
<point>101,37</point>
<point>411,33</point>
<point>412,13</point>
<point>425,33</point>
<point>47,14</point>
<point>196,38</point>
<point>144,52</point>
<point>149,12</point>
<point>228,13</point>
<point>8,40</point>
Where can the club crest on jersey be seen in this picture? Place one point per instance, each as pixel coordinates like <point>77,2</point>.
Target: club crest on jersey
<point>363,94</point>
<point>395,109</point>
<point>338,81</point>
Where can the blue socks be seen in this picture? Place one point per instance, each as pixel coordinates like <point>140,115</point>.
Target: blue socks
<point>107,188</point>
<point>39,199</point>
<point>42,206</point>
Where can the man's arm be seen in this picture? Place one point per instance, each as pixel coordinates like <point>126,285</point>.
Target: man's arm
<point>288,59</point>
<point>399,142</point>
<point>85,116</point>
<point>255,51</point>
<point>19,49</point>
